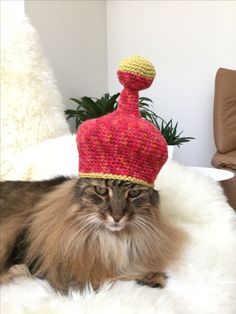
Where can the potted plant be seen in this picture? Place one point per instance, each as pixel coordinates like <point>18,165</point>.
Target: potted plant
<point>92,107</point>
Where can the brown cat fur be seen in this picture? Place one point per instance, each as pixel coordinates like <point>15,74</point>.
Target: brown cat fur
<point>62,231</point>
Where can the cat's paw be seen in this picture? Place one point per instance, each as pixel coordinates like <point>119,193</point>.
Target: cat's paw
<point>14,272</point>
<point>154,280</point>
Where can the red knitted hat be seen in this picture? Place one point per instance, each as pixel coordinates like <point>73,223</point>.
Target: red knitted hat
<point>122,145</point>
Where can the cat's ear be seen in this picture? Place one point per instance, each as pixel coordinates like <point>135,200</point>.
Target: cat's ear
<point>155,198</point>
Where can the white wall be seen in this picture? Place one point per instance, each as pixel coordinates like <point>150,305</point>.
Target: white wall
<point>187,41</point>
<point>73,35</point>
<point>13,7</point>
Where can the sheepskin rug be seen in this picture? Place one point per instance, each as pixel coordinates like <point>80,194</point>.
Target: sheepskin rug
<point>31,105</point>
<point>45,160</point>
<point>204,281</point>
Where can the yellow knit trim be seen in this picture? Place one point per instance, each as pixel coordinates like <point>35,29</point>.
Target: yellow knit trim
<point>138,65</point>
<point>116,177</point>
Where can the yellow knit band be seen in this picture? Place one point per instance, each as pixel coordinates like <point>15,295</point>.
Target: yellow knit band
<point>139,66</point>
<point>116,177</point>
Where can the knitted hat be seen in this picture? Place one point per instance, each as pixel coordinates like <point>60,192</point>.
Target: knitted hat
<point>123,145</point>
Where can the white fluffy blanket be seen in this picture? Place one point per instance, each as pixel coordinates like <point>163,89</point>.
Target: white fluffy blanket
<point>31,105</point>
<point>204,282</point>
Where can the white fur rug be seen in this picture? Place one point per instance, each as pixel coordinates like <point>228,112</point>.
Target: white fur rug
<point>204,282</point>
<point>31,105</point>
<point>45,160</point>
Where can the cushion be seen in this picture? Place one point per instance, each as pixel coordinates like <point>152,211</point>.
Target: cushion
<point>225,110</point>
<point>227,160</point>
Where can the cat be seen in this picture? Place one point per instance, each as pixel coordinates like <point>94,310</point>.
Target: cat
<point>80,231</point>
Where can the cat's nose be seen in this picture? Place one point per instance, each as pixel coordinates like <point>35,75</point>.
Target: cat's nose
<point>117,217</point>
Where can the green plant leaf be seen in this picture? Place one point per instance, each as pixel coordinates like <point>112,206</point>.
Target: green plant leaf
<point>142,99</point>
<point>70,111</point>
<point>112,103</point>
<point>101,107</point>
<point>91,107</point>
<point>78,101</point>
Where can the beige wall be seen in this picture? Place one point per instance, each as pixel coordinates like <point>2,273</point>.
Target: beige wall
<point>187,41</point>
<point>73,35</point>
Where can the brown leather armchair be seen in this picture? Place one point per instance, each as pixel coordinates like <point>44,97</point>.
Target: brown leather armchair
<point>225,128</point>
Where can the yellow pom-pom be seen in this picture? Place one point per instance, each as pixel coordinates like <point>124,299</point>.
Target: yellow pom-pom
<point>139,66</point>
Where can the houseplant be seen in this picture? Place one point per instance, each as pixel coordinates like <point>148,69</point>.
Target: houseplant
<point>91,107</point>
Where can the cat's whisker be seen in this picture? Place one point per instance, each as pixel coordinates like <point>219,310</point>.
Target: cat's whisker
<point>148,222</point>
<point>158,231</point>
<point>136,227</point>
<point>93,222</point>
<point>148,233</point>
<point>144,224</point>
<point>132,226</point>
<point>83,233</point>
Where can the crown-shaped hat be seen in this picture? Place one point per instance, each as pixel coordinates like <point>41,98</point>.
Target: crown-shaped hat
<point>123,145</point>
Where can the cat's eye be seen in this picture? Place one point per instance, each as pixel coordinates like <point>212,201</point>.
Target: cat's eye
<point>134,193</point>
<point>101,190</point>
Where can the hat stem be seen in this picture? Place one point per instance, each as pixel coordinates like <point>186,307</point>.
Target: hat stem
<point>129,102</point>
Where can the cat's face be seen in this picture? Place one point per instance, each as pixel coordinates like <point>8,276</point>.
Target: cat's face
<point>115,204</point>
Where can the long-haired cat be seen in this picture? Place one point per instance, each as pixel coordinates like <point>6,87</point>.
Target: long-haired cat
<point>80,231</point>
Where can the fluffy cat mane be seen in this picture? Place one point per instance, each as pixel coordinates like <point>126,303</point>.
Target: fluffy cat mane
<point>71,247</point>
